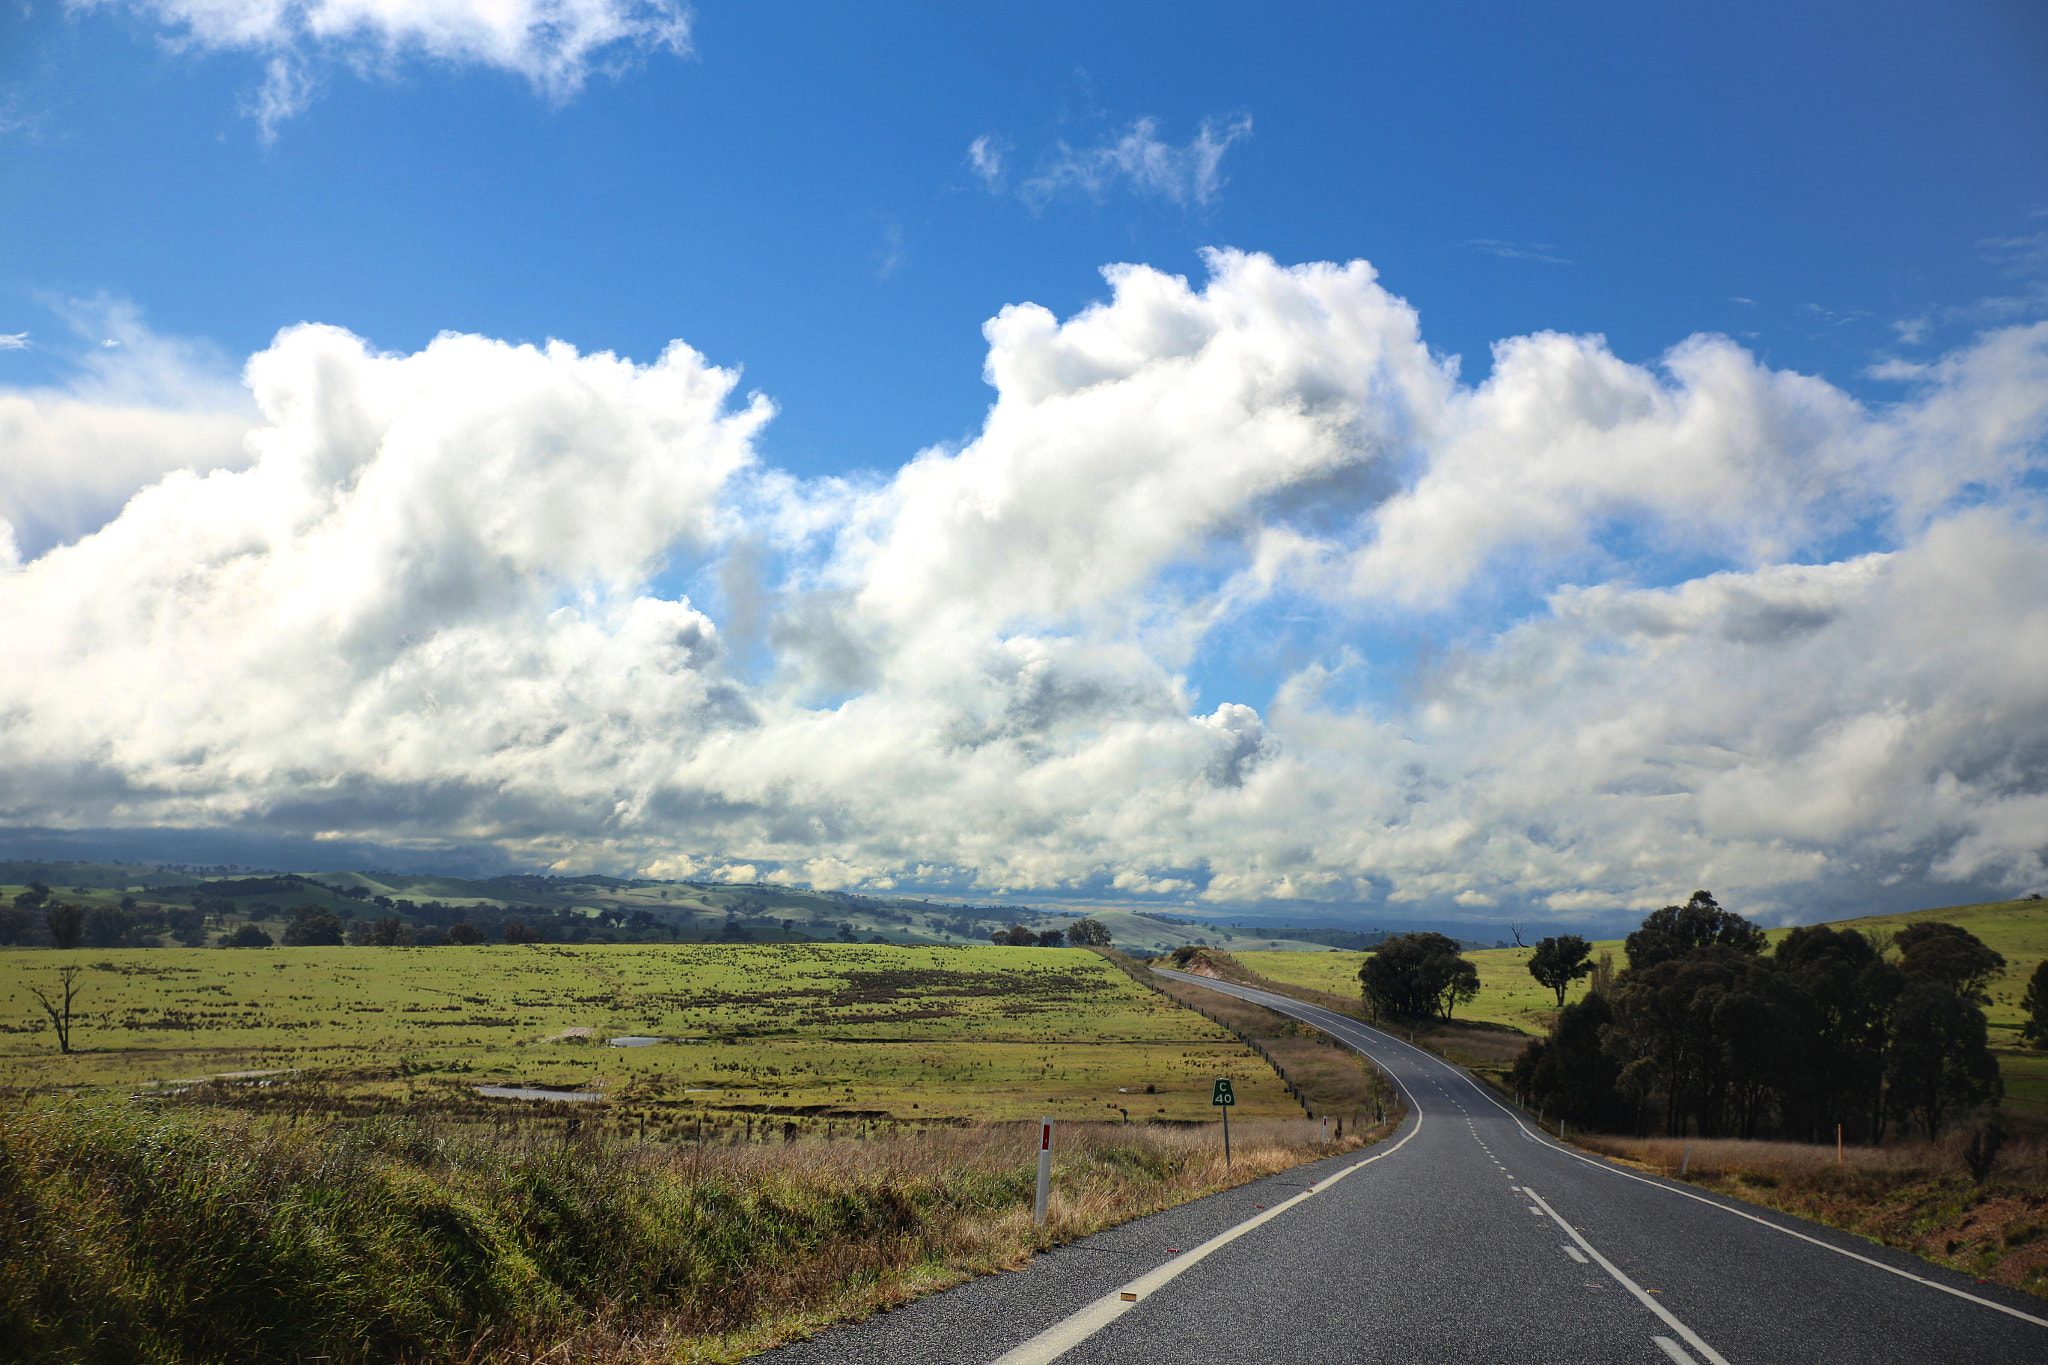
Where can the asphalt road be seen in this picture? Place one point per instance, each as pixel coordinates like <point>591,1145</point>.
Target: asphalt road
<point>1467,1236</point>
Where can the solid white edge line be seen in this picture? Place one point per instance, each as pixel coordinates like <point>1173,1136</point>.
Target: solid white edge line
<point>1760,1222</point>
<point>1614,1271</point>
<point>1063,1336</point>
<point>1674,1350</point>
<point>1543,1140</point>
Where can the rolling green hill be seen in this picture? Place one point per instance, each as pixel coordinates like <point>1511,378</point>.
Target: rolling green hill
<point>591,908</point>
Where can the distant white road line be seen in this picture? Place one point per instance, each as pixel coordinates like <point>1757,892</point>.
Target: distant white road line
<point>1062,1337</point>
<point>1670,1320</point>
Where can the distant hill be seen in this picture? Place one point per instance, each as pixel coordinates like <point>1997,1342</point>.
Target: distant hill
<point>572,908</point>
<point>64,875</point>
<point>594,907</point>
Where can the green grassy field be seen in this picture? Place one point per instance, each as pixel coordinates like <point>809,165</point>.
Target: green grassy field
<point>855,1031</point>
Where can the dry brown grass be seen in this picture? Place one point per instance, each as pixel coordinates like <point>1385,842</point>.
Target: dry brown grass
<point>1481,1046</point>
<point>1328,1077</point>
<point>1231,967</point>
<point>409,1239</point>
<point>1190,1166</point>
<point>1916,1195</point>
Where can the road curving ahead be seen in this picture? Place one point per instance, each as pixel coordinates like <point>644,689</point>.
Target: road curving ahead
<point>1468,1236</point>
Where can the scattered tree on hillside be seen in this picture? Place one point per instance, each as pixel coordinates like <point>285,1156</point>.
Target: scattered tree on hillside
<point>1699,923</point>
<point>389,931</point>
<point>313,926</point>
<point>248,936</point>
<point>67,923</point>
<point>104,927</point>
<point>1557,962</point>
<point>1941,1057</point>
<point>1957,958</point>
<point>1417,976</point>
<point>465,934</point>
<point>1088,933</point>
<point>2034,1004</point>
<point>59,1009</point>
<point>517,932</point>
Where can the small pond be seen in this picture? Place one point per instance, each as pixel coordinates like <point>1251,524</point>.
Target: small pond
<point>527,1092</point>
<point>636,1040</point>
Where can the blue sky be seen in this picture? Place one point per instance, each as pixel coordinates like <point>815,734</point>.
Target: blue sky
<point>794,195</point>
<point>834,199</point>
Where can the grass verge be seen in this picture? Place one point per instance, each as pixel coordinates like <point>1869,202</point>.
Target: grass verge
<point>188,1235</point>
<point>1323,1076</point>
<point>1918,1196</point>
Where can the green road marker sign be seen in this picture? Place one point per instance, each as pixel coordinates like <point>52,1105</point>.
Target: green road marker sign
<point>1225,1097</point>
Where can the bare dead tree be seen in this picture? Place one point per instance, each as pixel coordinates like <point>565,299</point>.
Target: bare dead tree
<point>1516,930</point>
<point>59,1010</point>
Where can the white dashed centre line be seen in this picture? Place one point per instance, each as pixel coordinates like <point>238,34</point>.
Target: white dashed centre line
<point>1614,1271</point>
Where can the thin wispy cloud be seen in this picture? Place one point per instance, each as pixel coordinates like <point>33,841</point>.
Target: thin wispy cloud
<point>2022,258</point>
<point>554,44</point>
<point>16,341</point>
<point>892,254</point>
<point>1134,160</point>
<point>986,156</point>
<point>1515,251</point>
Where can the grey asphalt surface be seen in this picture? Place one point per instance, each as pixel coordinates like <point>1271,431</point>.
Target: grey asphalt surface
<point>1446,1250</point>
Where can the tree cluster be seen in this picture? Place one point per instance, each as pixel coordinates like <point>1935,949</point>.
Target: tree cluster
<point>1705,1033</point>
<point>36,916</point>
<point>1417,976</point>
<point>1017,936</point>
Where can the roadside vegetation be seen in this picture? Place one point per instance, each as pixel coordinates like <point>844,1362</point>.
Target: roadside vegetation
<point>1830,1032</point>
<point>286,1154</point>
<point>1325,1077</point>
<point>190,1234</point>
<point>1881,1026</point>
<point>1976,1205</point>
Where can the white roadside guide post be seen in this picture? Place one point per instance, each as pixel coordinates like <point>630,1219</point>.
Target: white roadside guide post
<point>1044,1170</point>
<point>1225,1097</point>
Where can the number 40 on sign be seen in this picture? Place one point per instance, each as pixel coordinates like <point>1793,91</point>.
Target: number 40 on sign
<point>1224,1097</point>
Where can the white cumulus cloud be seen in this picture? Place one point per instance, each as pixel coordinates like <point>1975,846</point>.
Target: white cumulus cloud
<point>554,44</point>
<point>139,405</point>
<point>427,608</point>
